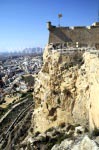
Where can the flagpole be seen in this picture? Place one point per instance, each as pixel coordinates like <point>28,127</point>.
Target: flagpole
<point>98,12</point>
<point>59,16</point>
<point>59,21</point>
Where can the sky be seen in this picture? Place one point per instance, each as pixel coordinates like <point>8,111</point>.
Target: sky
<point>23,22</point>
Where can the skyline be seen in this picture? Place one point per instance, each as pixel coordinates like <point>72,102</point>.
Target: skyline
<point>23,22</point>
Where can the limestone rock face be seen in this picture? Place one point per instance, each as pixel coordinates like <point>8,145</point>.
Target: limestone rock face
<point>85,144</point>
<point>66,90</point>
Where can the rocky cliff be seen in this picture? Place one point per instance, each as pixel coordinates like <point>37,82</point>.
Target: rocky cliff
<point>66,90</point>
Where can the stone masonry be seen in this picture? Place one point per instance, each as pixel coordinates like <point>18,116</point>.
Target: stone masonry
<point>80,36</point>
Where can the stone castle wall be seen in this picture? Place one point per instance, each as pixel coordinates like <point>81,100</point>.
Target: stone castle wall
<point>88,36</point>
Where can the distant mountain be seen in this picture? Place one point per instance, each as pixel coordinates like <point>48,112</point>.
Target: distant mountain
<point>4,54</point>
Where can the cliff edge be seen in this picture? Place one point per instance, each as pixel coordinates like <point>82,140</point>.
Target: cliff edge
<point>66,90</point>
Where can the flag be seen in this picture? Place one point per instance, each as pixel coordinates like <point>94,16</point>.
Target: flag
<point>59,15</point>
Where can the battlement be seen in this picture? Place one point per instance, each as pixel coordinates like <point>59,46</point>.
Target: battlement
<point>50,27</point>
<point>84,35</point>
<point>79,27</point>
<point>95,24</point>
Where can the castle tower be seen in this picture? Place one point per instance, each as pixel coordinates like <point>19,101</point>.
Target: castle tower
<point>49,25</point>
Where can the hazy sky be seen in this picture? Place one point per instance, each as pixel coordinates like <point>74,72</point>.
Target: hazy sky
<point>23,22</point>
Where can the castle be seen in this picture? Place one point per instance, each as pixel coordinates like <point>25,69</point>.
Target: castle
<point>78,36</point>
